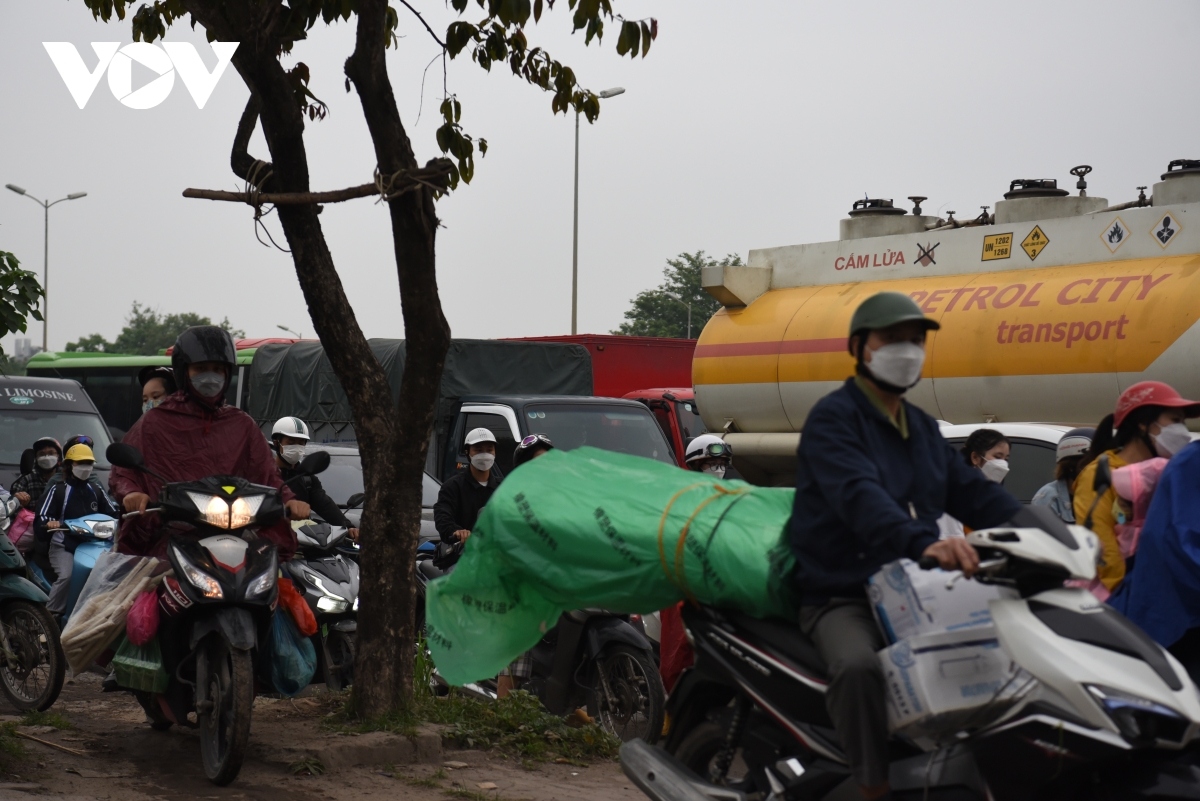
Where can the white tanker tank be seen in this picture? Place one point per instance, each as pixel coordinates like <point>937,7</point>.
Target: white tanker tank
<point>1049,307</point>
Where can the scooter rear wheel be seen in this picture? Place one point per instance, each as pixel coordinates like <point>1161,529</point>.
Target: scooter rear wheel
<point>33,678</point>
<point>225,726</point>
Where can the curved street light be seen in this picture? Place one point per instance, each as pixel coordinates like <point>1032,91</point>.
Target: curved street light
<point>46,257</point>
<point>607,93</point>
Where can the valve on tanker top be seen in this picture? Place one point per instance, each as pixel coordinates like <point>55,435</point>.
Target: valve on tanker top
<point>917,201</point>
<point>1081,172</point>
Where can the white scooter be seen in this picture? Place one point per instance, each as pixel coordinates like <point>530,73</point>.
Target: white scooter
<point>1103,712</point>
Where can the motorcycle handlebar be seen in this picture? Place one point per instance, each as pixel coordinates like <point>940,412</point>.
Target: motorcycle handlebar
<point>927,563</point>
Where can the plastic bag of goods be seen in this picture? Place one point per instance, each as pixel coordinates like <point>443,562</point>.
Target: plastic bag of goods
<point>291,600</point>
<point>141,624</point>
<point>140,667</point>
<point>291,659</point>
<point>592,528</point>
<point>98,618</point>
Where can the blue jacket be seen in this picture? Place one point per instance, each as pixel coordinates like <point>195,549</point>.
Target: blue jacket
<point>1162,593</point>
<point>866,496</point>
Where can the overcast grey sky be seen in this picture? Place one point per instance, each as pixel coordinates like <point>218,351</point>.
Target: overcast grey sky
<point>751,124</point>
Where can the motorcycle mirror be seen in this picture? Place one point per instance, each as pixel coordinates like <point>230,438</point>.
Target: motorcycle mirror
<point>127,456</point>
<point>356,500</point>
<point>315,462</point>
<point>1103,479</point>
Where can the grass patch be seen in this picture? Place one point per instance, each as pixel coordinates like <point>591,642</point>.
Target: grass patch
<point>12,749</point>
<point>309,766</point>
<point>53,719</point>
<point>469,795</point>
<point>426,782</point>
<point>517,725</point>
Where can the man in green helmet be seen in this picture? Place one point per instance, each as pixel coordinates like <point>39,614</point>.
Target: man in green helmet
<point>874,475</point>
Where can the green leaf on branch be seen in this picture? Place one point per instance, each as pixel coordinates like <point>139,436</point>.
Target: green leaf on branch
<point>20,295</point>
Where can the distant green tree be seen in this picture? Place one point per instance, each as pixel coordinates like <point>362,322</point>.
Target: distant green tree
<point>147,332</point>
<point>655,314</point>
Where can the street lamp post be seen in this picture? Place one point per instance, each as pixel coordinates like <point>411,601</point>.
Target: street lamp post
<point>45,257</point>
<point>290,331</point>
<point>680,300</point>
<point>607,93</point>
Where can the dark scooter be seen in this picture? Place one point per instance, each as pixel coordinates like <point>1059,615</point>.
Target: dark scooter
<point>592,658</point>
<point>217,606</point>
<point>329,582</point>
<point>32,663</point>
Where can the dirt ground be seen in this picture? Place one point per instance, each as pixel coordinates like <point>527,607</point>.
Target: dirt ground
<point>123,759</point>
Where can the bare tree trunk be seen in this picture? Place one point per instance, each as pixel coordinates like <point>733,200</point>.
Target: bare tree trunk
<point>383,673</point>
<point>392,439</point>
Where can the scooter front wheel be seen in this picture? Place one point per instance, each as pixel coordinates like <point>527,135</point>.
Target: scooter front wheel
<point>225,717</point>
<point>32,672</point>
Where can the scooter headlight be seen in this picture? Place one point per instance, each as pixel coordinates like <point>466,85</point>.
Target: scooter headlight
<point>263,583</point>
<point>332,604</point>
<point>209,587</point>
<point>218,512</point>
<point>329,602</point>
<point>1140,720</point>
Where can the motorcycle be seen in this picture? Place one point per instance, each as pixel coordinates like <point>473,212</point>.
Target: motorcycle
<point>32,663</point>
<point>218,605</point>
<point>592,658</point>
<point>95,533</point>
<point>1103,712</point>
<point>329,582</point>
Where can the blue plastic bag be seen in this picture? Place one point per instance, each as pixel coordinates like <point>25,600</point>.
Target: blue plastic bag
<point>291,659</point>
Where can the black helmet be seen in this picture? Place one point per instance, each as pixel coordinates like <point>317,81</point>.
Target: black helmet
<point>42,442</point>
<point>161,372</point>
<point>202,343</point>
<point>529,446</point>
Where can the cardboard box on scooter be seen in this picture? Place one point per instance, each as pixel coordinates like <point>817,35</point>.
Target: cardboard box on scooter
<point>908,601</point>
<point>937,683</point>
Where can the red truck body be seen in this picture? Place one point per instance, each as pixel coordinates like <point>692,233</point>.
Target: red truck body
<point>621,365</point>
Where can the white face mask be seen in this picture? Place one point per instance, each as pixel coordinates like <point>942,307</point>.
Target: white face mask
<point>209,385</point>
<point>292,454</point>
<point>715,470</point>
<point>898,364</point>
<point>483,461</point>
<point>995,469</point>
<point>82,471</point>
<point>47,462</point>
<point>1171,439</point>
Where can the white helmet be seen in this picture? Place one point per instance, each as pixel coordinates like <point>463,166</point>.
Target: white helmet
<point>477,435</point>
<point>707,446</point>
<point>292,427</point>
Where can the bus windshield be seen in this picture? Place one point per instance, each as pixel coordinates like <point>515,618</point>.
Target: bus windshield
<point>19,430</point>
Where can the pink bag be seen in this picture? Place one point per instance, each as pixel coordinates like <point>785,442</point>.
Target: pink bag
<point>21,530</point>
<point>141,624</point>
<point>1136,484</point>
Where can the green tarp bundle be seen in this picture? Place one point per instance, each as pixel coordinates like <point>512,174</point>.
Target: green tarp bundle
<point>591,528</point>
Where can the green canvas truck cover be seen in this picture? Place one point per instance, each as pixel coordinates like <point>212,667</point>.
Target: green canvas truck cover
<point>298,379</point>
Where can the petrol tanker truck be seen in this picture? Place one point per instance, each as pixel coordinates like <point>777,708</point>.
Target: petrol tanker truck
<point>1050,306</point>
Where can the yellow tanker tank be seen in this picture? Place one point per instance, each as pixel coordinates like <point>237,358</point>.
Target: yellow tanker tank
<point>1049,308</point>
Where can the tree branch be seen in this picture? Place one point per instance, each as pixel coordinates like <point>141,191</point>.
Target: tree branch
<point>284,198</point>
<point>423,22</point>
<point>240,160</point>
